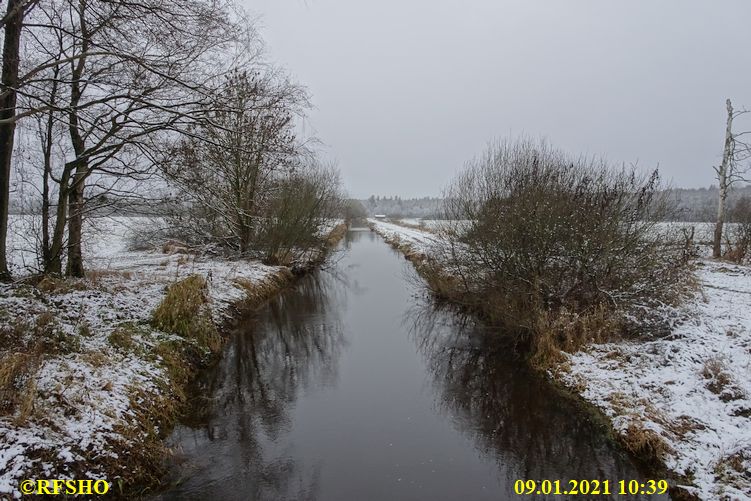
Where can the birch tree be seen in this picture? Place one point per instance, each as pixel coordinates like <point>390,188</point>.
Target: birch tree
<point>734,152</point>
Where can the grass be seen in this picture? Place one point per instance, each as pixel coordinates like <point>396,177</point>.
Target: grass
<point>715,371</point>
<point>644,443</point>
<point>17,387</point>
<point>336,235</point>
<point>184,311</point>
<point>734,467</point>
<point>54,285</point>
<point>258,291</point>
<point>25,344</point>
<point>121,338</point>
<point>561,331</point>
<point>720,380</point>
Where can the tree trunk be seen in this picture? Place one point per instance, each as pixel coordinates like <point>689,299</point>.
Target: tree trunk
<point>54,265</point>
<point>75,195</point>
<point>11,48</point>
<point>75,266</point>
<point>724,178</point>
<point>46,140</point>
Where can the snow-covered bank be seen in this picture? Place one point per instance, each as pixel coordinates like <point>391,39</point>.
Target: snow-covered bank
<point>87,379</point>
<point>419,241</point>
<point>692,388</point>
<point>688,393</point>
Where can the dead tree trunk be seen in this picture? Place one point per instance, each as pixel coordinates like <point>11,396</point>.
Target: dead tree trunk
<point>724,178</point>
<point>11,49</point>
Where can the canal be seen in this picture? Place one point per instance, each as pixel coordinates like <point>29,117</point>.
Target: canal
<point>353,386</point>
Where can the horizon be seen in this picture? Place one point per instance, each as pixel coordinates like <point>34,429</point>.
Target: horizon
<point>634,83</point>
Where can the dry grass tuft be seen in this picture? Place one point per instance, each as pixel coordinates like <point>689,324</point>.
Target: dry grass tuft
<point>121,338</point>
<point>50,337</point>
<point>559,331</point>
<point>95,275</point>
<point>715,370</point>
<point>184,311</point>
<point>259,291</point>
<point>175,247</point>
<point>735,468</point>
<point>17,387</point>
<point>720,380</point>
<point>645,443</point>
<point>95,358</point>
<point>336,235</point>
<point>54,285</point>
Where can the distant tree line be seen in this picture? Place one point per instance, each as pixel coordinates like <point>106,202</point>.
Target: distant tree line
<point>689,205</point>
<point>396,207</point>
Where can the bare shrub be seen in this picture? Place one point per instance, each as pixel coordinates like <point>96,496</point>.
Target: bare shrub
<point>303,205</point>
<point>738,238</point>
<point>534,234</point>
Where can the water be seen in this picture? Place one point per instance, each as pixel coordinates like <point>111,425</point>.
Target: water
<point>352,387</point>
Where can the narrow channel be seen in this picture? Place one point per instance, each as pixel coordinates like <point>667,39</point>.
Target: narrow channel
<point>351,386</point>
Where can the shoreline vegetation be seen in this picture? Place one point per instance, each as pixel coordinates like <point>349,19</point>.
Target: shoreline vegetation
<point>674,401</point>
<point>200,140</point>
<point>95,370</point>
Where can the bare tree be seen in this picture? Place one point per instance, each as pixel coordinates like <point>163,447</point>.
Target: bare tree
<point>117,75</point>
<point>230,164</point>
<point>728,173</point>
<point>12,24</point>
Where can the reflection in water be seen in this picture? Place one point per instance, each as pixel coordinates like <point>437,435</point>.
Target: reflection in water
<point>333,392</point>
<point>512,414</point>
<point>293,343</point>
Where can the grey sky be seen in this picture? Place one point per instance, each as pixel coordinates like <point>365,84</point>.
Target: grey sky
<point>405,91</point>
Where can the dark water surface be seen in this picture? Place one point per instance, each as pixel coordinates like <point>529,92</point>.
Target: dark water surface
<point>351,387</point>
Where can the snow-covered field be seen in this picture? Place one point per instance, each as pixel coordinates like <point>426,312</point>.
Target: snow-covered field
<point>692,388</point>
<point>81,401</point>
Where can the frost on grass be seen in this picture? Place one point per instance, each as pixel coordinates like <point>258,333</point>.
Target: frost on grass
<point>81,361</point>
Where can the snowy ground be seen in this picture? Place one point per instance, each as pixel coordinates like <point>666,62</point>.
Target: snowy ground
<point>691,388</point>
<point>418,240</point>
<point>86,393</point>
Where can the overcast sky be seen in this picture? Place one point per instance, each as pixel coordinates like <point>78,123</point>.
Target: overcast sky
<point>405,91</point>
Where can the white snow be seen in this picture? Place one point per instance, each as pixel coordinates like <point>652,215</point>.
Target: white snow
<point>692,388</point>
<point>83,399</point>
<point>420,241</point>
<point>666,385</point>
